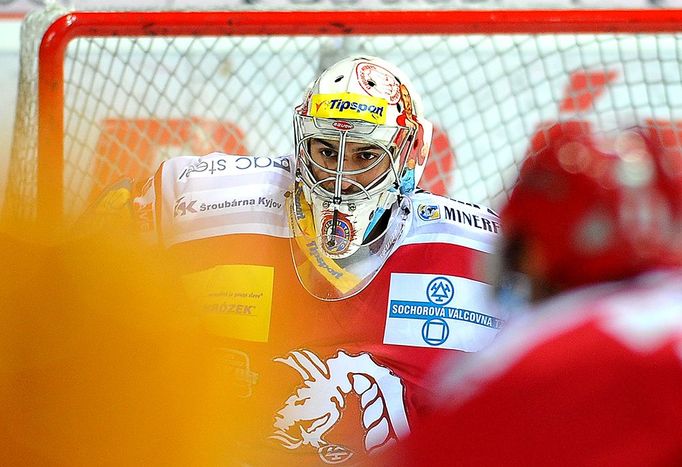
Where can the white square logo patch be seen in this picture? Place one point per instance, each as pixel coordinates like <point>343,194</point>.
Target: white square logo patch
<point>427,310</point>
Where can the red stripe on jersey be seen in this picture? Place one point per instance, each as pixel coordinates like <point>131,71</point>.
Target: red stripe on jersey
<point>440,258</point>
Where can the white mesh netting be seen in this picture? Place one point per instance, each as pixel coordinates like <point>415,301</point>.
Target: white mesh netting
<point>130,102</point>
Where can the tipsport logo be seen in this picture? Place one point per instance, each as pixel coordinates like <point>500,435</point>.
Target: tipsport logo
<point>314,252</point>
<point>238,367</point>
<point>342,105</point>
<point>351,106</point>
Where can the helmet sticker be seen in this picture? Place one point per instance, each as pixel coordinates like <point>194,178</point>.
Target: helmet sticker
<point>303,106</point>
<point>342,125</point>
<point>378,81</point>
<point>348,105</point>
<point>408,119</point>
<point>340,236</point>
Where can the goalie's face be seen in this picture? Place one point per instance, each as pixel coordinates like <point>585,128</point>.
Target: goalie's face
<point>357,167</point>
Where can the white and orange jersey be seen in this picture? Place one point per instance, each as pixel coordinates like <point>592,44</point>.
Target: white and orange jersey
<point>192,198</point>
<point>328,381</point>
<point>220,194</point>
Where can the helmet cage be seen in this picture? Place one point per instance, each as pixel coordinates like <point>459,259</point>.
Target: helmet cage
<point>393,140</point>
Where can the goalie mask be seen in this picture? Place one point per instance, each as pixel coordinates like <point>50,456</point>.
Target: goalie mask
<point>361,143</point>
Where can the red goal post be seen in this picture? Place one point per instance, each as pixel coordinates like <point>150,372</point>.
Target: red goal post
<point>488,79</point>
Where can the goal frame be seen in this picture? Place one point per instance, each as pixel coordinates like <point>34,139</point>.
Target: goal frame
<point>52,50</point>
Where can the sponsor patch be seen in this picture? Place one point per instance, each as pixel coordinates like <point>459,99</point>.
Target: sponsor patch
<point>209,166</point>
<point>428,212</point>
<point>483,220</point>
<point>440,291</point>
<point>183,206</point>
<point>235,300</point>
<point>351,106</point>
<point>427,310</point>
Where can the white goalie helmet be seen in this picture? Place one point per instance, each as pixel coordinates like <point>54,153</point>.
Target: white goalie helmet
<point>364,101</point>
<point>361,143</point>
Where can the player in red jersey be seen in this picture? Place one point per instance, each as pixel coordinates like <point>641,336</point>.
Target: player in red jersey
<point>591,376</point>
<point>331,282</point>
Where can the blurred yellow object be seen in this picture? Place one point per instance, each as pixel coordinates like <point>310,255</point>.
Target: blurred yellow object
<point>225,294</point>
<point>101,361</point>
<point>114,200</point>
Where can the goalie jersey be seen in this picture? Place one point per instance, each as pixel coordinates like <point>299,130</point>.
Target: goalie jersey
<point>322,381</point>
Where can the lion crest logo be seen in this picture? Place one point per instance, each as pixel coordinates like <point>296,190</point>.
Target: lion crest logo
<point>317,404</point>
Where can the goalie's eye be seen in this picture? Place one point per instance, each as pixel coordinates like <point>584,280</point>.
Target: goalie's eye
<point>368,155</point>
<point>328,153</point>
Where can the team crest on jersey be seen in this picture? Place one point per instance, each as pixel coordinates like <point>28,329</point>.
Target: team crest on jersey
<point>428,212</point>
<point>427,310</point>
<point>310,413</point>
<point>339,235</point>
<point>334,454</point>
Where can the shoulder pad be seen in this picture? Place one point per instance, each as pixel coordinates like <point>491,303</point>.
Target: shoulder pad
<point>440,219</point>
<point>219,194</point>
<point>217,164</point>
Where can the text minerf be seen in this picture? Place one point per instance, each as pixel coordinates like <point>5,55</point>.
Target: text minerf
<point>473,220</point>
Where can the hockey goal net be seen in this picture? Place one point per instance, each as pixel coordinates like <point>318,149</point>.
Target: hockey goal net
<point>116,93</point>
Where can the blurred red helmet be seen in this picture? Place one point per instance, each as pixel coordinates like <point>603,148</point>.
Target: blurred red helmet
<point>665,142</point>
<point>590,208</point>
